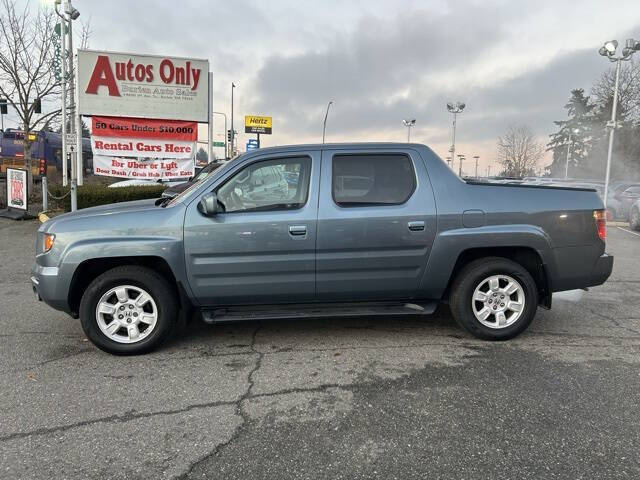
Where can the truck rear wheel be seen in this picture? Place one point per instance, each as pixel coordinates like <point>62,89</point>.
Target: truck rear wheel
<point>128,310</point>
<point>494,298</point>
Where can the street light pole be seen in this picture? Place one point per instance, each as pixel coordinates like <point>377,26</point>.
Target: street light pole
<point>460,160</point>
<point>566,168</point>
<point>233,85</point>
<point>324,125</point>
<point>225,131</point>
<point>409,124</point>
<point>608,50</point>
<point>476,158</point>
<point>455,108</point>
<point>612,131</point>
<point>63,82</point>
<point>210,118</point>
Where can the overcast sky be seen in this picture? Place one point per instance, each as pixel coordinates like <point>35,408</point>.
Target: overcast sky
<point>380,61</point>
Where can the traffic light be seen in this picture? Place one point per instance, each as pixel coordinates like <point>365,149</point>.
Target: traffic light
<point>37,106</point>
<point>3,106</point>
<point>229,135</point>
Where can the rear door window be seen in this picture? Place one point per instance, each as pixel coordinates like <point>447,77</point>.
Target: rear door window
<point>372,179</point>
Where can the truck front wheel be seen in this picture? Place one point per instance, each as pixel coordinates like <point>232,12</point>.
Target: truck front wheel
<point>128,310</point>
<point>494,298</point>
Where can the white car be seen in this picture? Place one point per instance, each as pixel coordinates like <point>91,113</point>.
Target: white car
<point>146,183</point>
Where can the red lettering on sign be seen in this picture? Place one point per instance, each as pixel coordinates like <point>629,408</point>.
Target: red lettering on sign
<point>103,76</point>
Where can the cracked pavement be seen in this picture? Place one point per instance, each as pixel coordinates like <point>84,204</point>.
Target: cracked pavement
<point>395,397</point>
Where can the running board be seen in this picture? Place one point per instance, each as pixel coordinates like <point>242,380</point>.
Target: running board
<point>275,312</point>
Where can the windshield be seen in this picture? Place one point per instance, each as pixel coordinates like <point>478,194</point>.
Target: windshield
<point>202,175</point>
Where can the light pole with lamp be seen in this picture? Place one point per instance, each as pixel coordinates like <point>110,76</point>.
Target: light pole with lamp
<point>609,50</point>
<point>454,108</point>
<point>461,158</point>
<point>409,124</point>
<point>575,131</point>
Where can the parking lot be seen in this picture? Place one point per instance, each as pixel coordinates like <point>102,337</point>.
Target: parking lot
<point>341,398</point>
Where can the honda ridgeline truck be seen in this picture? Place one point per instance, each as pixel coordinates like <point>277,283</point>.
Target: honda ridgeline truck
<point>321,230</point>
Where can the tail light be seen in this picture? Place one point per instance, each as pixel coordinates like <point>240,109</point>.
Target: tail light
<point>601,223</point>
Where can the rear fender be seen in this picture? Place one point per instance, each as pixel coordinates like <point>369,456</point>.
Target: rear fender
<point>449,245</point>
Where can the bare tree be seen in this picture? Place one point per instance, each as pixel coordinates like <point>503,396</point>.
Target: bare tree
<point>519,151</point>
<point>85,34</point>
<point>628,91</point>
<point>26,73</point>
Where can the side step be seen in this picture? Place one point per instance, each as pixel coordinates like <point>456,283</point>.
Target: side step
<point>274,312</point>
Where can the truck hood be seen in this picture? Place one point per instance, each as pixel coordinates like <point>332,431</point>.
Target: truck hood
<point>102,210</point>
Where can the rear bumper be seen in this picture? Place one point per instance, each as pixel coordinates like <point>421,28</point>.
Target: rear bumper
<point>601,270</point>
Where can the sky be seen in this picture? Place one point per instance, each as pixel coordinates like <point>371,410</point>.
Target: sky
<point>511,62</point>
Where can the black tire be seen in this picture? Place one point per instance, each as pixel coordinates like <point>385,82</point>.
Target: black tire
<point>634,218</point>
<point>471,276</point>
<point>150,281</point>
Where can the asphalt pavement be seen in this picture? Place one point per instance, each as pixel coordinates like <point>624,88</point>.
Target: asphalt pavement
<point>385,398</point>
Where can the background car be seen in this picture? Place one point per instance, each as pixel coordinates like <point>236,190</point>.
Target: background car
<point>627,198</point>
<point>181,187</point>
<point>634,215</point>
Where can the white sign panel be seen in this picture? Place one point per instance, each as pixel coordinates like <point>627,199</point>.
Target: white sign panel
<point>142,147</point>
<point>16,188</point>
<point>143,86</point>
<point>143,168</point>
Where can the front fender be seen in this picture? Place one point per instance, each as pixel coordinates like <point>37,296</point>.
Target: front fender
<point>450,244</point>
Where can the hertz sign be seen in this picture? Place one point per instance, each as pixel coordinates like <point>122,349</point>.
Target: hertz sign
<point>255,124</point>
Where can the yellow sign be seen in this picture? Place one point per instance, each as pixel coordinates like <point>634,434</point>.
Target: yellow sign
<point>256,124</point>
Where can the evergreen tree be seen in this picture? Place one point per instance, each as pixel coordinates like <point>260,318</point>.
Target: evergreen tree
<point>575,133</point>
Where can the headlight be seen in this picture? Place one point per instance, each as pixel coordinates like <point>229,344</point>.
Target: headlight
<point>49,238</point>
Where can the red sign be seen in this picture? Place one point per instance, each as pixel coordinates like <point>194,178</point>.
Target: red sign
<point>170,74</point>
<point>144,128</point>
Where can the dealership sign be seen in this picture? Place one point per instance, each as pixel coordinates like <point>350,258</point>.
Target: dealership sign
<point>141,147</point>
<point>256,124</point>
<point>155,148</point>
<point>17,188</point>
<point>145,86</point>
<point>143,168</point>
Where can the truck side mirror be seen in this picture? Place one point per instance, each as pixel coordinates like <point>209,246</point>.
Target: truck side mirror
<point>208,204</point>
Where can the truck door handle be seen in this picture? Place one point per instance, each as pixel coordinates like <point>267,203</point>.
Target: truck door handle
<point>416,226</point>
<point>297,230</point>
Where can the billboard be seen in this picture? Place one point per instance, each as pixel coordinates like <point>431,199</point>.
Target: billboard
<point>257,124</point>
<point>144,86</point>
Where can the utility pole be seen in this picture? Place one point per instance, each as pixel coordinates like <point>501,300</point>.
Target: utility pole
<point>476,158</point>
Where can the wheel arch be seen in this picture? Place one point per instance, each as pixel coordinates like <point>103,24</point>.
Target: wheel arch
<point>90,269</point>
<point>528,257</point>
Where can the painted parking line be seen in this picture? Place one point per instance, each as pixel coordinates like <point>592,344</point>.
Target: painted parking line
<point>629,231</point>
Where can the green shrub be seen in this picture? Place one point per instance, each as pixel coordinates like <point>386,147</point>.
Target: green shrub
<point>94,195</point>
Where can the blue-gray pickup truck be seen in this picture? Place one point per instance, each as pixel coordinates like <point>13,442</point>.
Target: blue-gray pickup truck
<point>321,230</point>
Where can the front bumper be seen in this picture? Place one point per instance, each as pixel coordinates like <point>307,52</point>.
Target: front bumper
<point>47,288</point>
<point>601,270</point>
